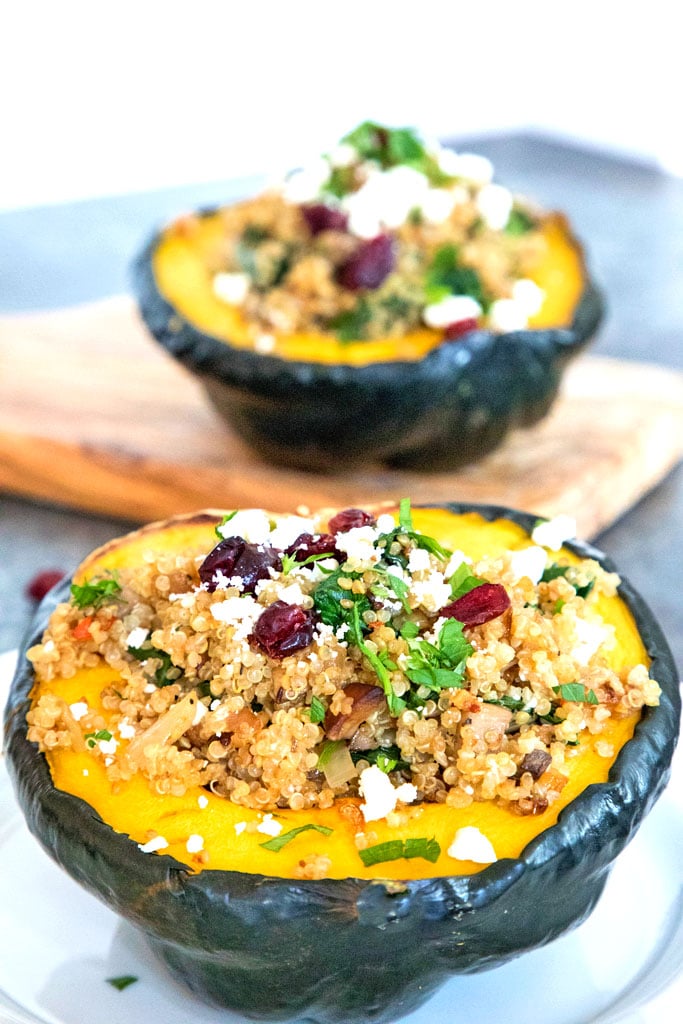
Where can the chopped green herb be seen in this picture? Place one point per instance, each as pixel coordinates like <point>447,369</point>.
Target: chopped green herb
<point>462,581</point>
<point>559,605</point>
<point>95,593</point>
<point>341,181</point>
<point>290,561</point>
<point>316,710</point>
<point>405,528</point>
<point>277,842</point>
<point>576,692</point>
<point>328,596</point>
<point>93,738</point>
<point>519,223</point>
<point>123,981</point>
<point>396,849</point>
<point>167,673</point>
<point>386,758</point>
<point>395,703</point>
<point>218,530</point>
<point>442,665</point>
<point>351,325</point>
<point>204,689</point>
<point>409,630</point>
<point>447,276</point>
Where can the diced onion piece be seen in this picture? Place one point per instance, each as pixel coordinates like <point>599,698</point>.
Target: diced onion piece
<point>340,767</point>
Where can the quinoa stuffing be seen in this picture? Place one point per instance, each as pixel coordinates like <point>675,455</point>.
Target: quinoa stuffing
<point>384,235</point>
<point>306,661</point>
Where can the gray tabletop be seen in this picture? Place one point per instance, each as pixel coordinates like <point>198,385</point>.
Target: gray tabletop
<point>630,215</point>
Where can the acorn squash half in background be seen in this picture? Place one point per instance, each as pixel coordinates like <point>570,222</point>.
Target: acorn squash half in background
<point>390,304</point>
<point>349,948</point>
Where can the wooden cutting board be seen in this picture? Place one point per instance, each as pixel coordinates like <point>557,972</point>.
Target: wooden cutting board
<point>94,415</point>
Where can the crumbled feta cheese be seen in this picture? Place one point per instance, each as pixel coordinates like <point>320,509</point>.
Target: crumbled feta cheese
<point>288,529</point>
<point>108,746</point>
<point>380,795</point>
<point>86,772</point>
<point>48,646</point>
<point>214,704</point>
<point>108,761</point>
<point>471,844</point>
<point>341,632</point>
<point>418,560</point>
<point>529,562</point>
<point>507,315</point>
<point>494,203</point>
<point>590,637</point>
<point>195,843</point>
<point>223,582</point>
<point>137,637</point>
<point>323,634</point>
<point>385,523</point>
<point>432,593</point>
<point>384,200</point>
<point>264,344</point>
<point>553,533</point>
<point>149,688</point>
<point>78,710</point>
<point>158,843</point>
<point>343,155</point>
<point>241,612</point>
<point>451,310</point>
<point>438,204</point>
<point>203,801</point>
<point>251,523</point>
<point>232,288</point>
<point>305,184</point>
<point>199,713</point>
<point>528,295</point>
<point>186,599</point>
<point>126,730</point>
<point>240,827</point>
<point>269,826</point>
<point>293,594</point>
<point>470,166</point>
<point>358,544</point>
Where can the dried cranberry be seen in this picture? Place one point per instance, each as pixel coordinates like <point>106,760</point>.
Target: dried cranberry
<point>235,557</point>
<point>38,587</point>
<point>282,629</point>
<point>349,518</point>
<point>461,327</point>
<point>370,264</point>
<point>306,545</point>
<point>323,218</point>
<point>478,606</point>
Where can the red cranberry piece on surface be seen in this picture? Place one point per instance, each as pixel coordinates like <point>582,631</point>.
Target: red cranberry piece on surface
<point>42,582</point>
<point>370,264</point>
<point>234,557</point>
<point>349,518</point>
<point>323,218</point>
<point>282,629</point>
<point>458,329</point>
<point>224,558</point>
<point>306,545</point>
<point>481,605</point>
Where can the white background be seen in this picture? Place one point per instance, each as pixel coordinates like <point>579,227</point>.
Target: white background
<point>102,98</point>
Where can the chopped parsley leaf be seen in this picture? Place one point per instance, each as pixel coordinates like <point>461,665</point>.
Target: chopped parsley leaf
<point>576,692</point>
<point>93,738</point>
<point>519,223</point>
<point>462,581</point>
<point>386,758</point>
<point>328,596</point>
<point>351,325</point>
<point>167,673</point>
<point>396,849</point>
<point>95,593</point>
<point>447,276</point>
<point>442,665</point>
<point>123,981</point>
<point>554,571</point>
<point>277,842</point>
<point>317,710</point>
<point>405,528</point>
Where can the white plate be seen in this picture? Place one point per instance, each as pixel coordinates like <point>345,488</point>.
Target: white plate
<point>58,945</point>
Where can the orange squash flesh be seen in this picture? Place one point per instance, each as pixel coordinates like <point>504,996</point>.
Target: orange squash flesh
<point>135,810</point>
<point>187,249</point>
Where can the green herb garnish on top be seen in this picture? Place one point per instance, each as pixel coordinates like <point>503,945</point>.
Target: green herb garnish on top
<point>278,842</point>
<point>397,849</point>
<point>95,593</point>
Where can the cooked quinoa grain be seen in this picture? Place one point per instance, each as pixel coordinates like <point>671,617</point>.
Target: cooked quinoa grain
<point>299,664</point>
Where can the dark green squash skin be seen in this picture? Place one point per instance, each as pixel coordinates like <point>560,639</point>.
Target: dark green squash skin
<point>353,950</point>
<point>439,413</point>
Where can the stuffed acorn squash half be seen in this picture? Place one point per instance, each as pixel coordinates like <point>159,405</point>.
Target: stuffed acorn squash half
<point>326,761</point>
<point>390,303</point>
